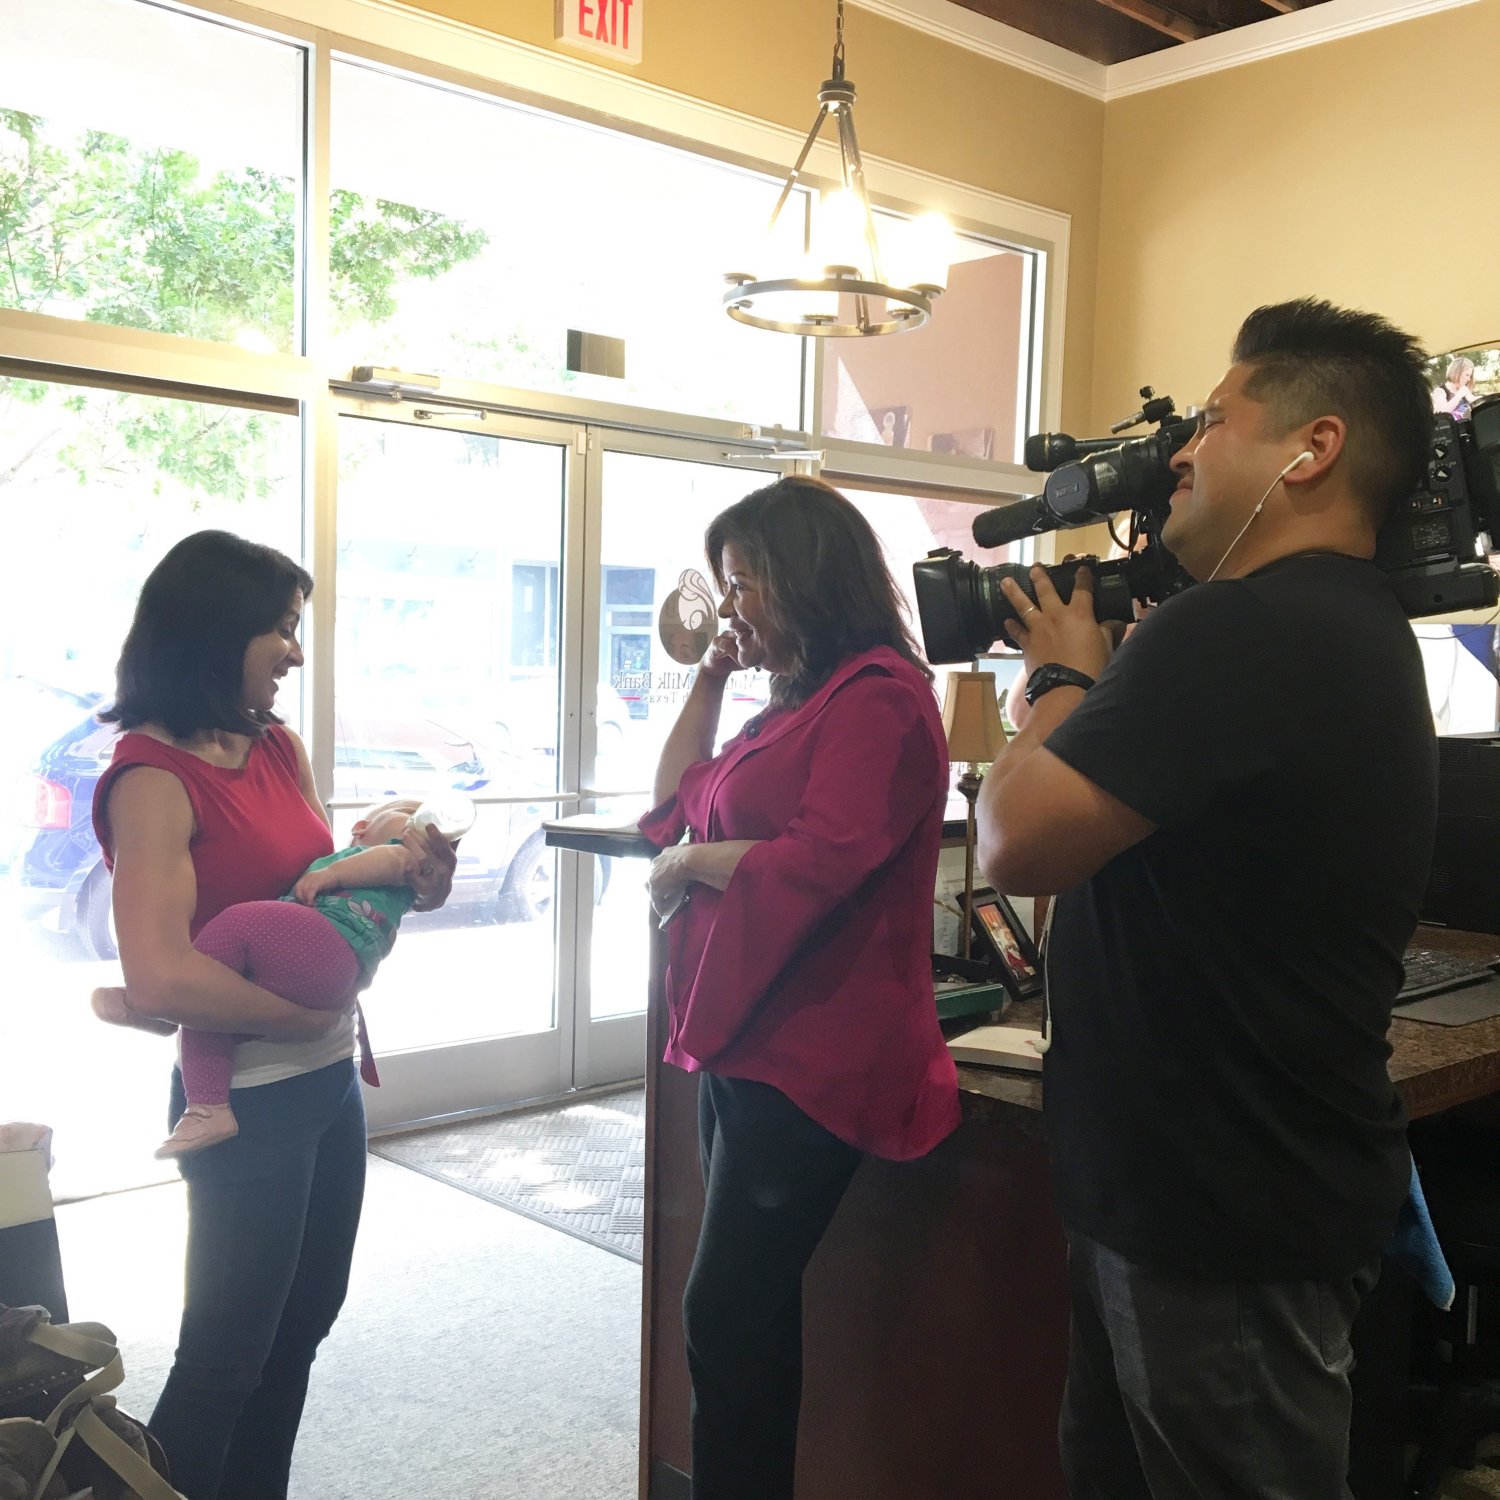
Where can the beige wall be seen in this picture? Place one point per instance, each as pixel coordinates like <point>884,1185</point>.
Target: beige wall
<point>1330,171</point>
<point>1362,170</point>
<point>922,102</point>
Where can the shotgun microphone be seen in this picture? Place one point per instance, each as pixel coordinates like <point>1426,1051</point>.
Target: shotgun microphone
<point>1009,523</point>
<point>1046,451</point>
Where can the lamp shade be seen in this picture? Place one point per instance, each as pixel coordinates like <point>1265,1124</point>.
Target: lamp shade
<point>971,717</point>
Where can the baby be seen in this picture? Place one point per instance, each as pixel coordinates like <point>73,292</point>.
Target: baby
<point>317,946</point>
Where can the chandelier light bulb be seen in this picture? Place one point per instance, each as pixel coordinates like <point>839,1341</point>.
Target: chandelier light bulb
<point>926,253</point>
<point>839,246</point>
<point>818,308</point>
<point>746,250</point>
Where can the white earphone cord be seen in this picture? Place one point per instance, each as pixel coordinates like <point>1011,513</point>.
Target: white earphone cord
<point>1045,943</point>
<point>1301,458</point>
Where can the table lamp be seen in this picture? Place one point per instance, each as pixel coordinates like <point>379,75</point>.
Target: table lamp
<point>971,721</point>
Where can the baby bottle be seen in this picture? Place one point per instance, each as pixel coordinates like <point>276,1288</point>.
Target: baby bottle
<point>451,813</point>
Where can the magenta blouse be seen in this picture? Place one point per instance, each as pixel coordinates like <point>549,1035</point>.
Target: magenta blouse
<point>812,972</point>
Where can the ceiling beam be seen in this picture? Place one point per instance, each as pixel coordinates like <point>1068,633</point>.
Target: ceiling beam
<point>1168,22</point>
<point>1081,26</point>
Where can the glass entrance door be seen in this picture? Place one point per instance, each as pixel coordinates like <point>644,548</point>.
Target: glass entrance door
<point>655,500</point>
<point>451,658</point>
<point>499,584</point>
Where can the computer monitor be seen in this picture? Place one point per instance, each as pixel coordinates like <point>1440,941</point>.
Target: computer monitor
<point>1464,888</point>
<point>1461,377</point>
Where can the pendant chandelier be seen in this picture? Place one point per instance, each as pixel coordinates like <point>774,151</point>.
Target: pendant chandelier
<point>845,260</point>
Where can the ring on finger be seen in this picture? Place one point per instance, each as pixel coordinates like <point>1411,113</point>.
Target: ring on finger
<point>1031,609</point>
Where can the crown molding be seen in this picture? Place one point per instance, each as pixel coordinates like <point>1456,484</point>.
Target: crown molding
<point>993,39</point>
<point>394,30</point>
<point>399,34</point>
<point>1328,22</point>
<point>1293,32</point>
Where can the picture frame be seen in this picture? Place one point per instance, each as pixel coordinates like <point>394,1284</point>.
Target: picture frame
<point>892,425</point>
<point>970,442</point>
<point>999,935</point>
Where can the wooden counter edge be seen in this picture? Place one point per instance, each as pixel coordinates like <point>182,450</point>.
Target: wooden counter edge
<point>1433,1067</point>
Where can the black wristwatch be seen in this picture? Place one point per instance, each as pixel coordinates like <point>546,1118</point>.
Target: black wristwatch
<point>1053,674</point>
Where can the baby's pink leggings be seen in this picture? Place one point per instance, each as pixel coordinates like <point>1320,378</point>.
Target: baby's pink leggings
<point>290,949</point>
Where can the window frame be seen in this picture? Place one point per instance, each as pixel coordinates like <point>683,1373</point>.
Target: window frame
<point>460,56</point>
<point>467,59</point>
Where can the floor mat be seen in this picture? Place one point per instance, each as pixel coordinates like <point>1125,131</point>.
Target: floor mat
<point>578,1167</point>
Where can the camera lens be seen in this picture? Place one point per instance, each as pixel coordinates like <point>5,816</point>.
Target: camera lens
<point>962,608</point>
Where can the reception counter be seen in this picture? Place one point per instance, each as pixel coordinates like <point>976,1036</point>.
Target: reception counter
<point>936,1311</point>
<point>936,1306</point>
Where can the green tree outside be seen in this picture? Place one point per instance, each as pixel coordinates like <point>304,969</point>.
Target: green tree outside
<point>98,229</point>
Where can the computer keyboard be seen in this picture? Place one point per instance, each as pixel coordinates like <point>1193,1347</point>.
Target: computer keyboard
<point>1430,971</point>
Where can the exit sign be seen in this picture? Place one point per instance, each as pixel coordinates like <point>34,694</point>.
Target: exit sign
<point>612,27</point>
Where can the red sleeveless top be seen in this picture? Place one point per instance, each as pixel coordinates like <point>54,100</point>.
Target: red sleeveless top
<point>254,832</point>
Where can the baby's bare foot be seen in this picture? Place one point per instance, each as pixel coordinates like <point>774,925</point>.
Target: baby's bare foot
<point>109,1004</point>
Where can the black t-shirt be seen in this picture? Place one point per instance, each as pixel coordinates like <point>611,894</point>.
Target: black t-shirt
<point>1217,1091</point>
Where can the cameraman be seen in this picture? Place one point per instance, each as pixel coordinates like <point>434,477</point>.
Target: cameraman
<point>1239,815</point>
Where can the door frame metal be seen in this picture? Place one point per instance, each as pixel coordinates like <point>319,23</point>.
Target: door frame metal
<point>577,1052</point>
<point>460,1077</point>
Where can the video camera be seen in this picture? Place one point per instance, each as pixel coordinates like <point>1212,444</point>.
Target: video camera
<point>1431,547</point>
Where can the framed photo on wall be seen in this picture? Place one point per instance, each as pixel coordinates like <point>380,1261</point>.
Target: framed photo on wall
<point>892,425</point>
<point>972,442</point>
<point>1001,936</point>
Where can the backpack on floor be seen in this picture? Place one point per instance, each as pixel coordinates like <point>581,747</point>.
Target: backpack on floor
<point>61,1433</point>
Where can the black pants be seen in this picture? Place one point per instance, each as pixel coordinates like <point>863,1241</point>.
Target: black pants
<point>773,1179</point>
<point>1184,1390</point>
<point>272,1215</point>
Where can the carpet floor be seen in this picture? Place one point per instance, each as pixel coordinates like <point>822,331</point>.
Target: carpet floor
<point>479,1355</point>
<point>578,1167</point>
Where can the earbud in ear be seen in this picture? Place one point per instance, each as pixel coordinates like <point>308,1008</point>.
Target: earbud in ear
<point>1305,457</point>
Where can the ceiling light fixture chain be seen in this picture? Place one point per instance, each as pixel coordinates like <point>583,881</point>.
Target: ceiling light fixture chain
<point>851,269</point>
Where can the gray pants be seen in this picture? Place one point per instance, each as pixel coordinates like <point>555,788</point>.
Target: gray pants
<point>1186,1390</point>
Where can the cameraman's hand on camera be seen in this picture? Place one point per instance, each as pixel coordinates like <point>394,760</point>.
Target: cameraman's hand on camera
<point>1049,630</point>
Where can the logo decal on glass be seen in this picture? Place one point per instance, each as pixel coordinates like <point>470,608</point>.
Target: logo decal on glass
<point>686,623</point>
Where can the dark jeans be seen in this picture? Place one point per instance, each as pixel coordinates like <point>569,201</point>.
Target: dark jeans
<point>272,1215</point>
<point>1185,1390</point>
<point>773,1179</point>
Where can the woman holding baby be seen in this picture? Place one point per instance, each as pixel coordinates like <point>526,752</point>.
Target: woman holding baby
<point>209,802</point>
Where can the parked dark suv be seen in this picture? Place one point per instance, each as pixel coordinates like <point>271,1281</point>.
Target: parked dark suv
<point>505,871</point>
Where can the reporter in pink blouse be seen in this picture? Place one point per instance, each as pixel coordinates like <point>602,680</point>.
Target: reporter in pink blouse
<point>799,976</point>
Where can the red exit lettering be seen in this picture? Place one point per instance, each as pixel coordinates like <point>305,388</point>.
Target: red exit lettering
<point>606,21</point>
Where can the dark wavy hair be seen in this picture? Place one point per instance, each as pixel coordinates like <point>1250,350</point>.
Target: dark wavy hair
<point>183,663</point>
<point>1311,359</point>
<point>821,573</point>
